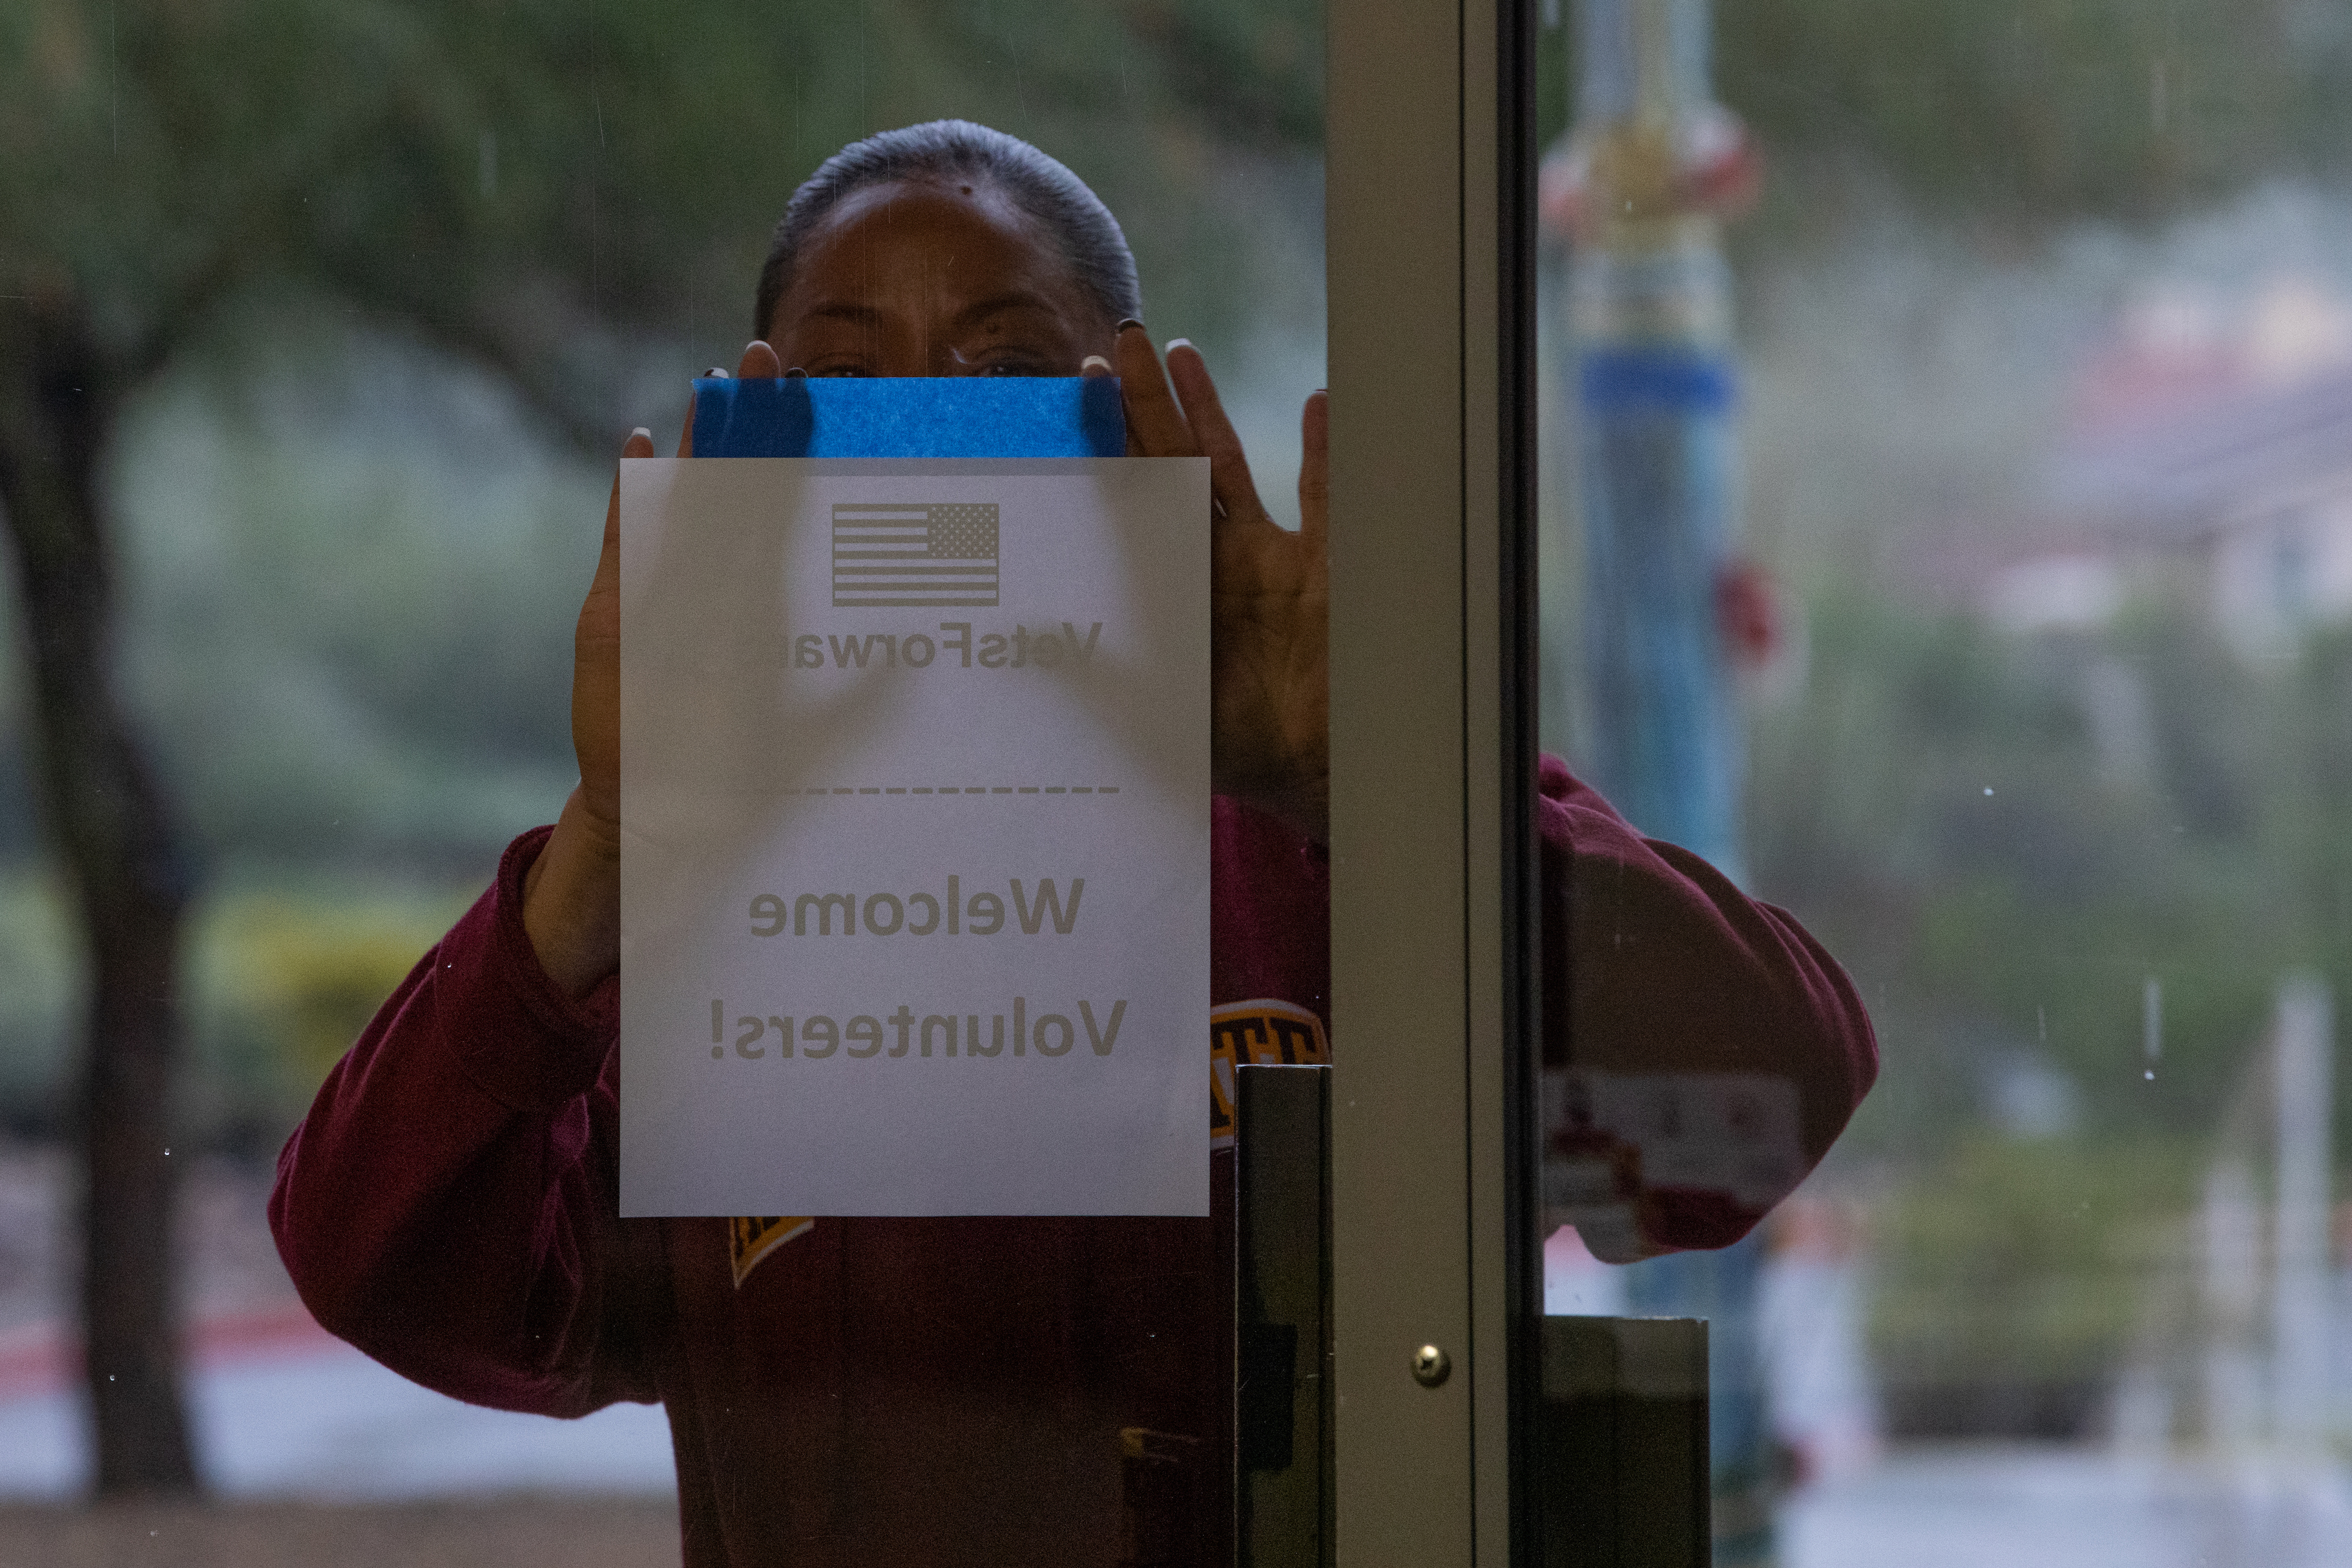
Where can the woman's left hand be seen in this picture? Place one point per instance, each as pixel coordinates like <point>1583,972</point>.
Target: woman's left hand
<point>1269,604</point>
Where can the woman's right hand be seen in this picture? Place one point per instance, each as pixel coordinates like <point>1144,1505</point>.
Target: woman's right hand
<point>571,899</point>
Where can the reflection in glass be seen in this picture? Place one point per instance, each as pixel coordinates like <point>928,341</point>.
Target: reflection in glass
<point>2043,324</point>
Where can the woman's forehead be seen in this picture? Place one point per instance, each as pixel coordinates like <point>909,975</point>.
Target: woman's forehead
<point>980,196</point>
<point>932,236</point>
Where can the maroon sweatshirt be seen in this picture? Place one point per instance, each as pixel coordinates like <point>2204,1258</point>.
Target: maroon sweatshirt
<point>918,1392</point>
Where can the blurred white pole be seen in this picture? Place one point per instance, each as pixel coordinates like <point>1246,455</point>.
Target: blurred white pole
<point>2306,1046</point>
<point>2231,1250</point>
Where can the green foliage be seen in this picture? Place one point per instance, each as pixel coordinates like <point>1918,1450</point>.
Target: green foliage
<point>39,988</point>
<point>2016,1275</point>
<point>282,975</point>
<point>350,646</point>
<point>515,178</point>
<point>349,612</point>
<point>2037,112</point>
<point>351,596</point>
<point>286,978</point>
<point>1938,807</point>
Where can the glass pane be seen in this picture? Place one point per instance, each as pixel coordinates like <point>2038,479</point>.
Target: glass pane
<point>323,330</point>
<point>1947,437</point>
<point>1646,605</point>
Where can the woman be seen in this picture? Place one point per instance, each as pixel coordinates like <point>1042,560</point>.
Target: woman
<point>918,1391</point>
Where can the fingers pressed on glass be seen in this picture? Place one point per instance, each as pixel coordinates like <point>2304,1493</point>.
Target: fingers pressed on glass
<point>640,443</point>
<point>1154,423</point>
<point>760,363</point>
<point>1315,466</point>
<point>1229,474</point>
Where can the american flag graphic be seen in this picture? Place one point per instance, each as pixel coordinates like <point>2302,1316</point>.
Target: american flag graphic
<point>914,556</point>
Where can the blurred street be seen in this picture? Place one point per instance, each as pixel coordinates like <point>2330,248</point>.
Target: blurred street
<point>2096,1503</point>
<point>2026,1505</point>
<point>282,1409</point>
<point>509,1533</point>
<point>316,1454</point>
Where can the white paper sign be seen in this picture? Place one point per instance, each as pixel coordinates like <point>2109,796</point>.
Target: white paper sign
<point>915,869</point>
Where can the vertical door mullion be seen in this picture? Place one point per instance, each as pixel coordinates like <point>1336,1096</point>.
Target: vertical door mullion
<point>1423,836</point>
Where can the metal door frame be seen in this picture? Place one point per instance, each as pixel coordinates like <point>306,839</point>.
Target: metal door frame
<point>1429,187</point>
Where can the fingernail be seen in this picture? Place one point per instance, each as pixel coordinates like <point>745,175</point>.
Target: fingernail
<point>715,373</point>
<point>1095,365</point>
<point>1131,321</point>
<point>641,430</point>
<point>796,374</point>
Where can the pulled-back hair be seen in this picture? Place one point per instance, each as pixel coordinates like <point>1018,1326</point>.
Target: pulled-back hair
<point>958,151</point>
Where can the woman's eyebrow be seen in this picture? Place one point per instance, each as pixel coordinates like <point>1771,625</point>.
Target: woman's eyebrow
<point>980,311</point>
<point>842,311</point>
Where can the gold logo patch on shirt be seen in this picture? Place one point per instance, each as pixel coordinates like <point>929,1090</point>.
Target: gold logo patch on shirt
<point>750,1241</point>
<point>1255,1034</point>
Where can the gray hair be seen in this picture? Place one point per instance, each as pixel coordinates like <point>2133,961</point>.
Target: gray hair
<point>956,149</point>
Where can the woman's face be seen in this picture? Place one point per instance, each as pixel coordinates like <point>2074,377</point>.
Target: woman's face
<point>934,279</point>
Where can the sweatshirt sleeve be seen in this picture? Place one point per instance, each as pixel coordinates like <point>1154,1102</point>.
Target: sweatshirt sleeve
<point>448,1204</point>
<point>1709,1052</point>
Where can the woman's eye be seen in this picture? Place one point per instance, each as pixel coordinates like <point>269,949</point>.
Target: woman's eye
<point>838,369</point>
<point>1013,365</point>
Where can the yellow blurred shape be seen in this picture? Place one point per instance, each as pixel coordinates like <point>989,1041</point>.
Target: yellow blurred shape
<point>307,972</point>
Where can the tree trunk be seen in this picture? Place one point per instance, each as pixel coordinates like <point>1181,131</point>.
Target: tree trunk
<point>60,394</point>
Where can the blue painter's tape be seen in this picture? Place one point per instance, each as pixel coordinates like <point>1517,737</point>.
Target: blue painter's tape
<point>1680,380</point>
<point>751,419</point>
<point>943,416</point>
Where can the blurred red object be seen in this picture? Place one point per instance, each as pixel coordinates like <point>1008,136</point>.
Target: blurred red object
<point>1817,1229</point>
<point>1747,615</point>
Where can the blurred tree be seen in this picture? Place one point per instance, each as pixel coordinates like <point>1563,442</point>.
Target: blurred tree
<point>1935,804</point>
<point>2038,112</point>
<point>529,185</point>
